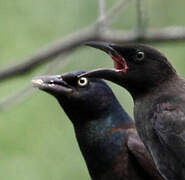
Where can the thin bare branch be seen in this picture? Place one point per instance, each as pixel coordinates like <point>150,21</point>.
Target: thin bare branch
<point>115,12</point>
<point>170,34</point>
<point>28,91</point>
<point>101,9</point>
<point>140,17</point>
<point>152,35</point>
<point>18,97</point>
<point>101,17</point>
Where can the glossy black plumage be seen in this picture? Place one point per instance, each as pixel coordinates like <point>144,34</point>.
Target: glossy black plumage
<point>105,132</point>
<point>159,98</point>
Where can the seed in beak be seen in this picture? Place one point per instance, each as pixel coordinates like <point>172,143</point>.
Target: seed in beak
<point>51,85</point>
<point>37,82</point>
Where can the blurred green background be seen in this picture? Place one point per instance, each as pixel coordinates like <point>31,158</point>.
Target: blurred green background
<point>37,140</point>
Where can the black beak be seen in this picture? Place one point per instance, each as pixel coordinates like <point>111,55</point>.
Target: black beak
<point>107,74</point>
<point>104,46</point>
<point>52,84</point>
<point>98,73</point>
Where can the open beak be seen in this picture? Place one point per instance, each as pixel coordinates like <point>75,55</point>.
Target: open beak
<point>120,64</point>
<point>52,84</point>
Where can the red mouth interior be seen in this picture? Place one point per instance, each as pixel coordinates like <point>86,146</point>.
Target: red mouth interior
<point>119,63</point>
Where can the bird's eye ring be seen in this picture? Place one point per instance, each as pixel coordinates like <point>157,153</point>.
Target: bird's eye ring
<point>82,81</point>
<point>140,56</point>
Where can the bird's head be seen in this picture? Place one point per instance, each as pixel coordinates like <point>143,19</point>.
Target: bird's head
<point>138,68</point>
<point>81,98</point>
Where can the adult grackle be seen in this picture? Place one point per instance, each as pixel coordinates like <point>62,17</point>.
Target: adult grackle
<point>105,132</point>
<point>159,98</point>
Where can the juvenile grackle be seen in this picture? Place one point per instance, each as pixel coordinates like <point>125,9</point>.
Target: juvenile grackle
<point>159,98</point>
<point>105,132</point>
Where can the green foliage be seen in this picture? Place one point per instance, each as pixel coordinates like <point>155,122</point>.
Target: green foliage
<point>36,138</point>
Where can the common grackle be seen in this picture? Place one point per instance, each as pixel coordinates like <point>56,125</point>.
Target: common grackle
<point>159,98</point>
<point>105,132</point>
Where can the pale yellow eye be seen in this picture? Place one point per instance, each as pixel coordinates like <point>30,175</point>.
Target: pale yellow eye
<point>82,81</point>
<point>140,56</point>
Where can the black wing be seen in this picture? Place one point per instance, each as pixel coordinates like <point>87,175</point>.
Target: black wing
<point>168,151</point>
<point>169,125</point>
<point>140,153</point>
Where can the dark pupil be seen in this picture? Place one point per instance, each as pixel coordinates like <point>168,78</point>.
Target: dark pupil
<point>82,81</point>
<point>139,55</point>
